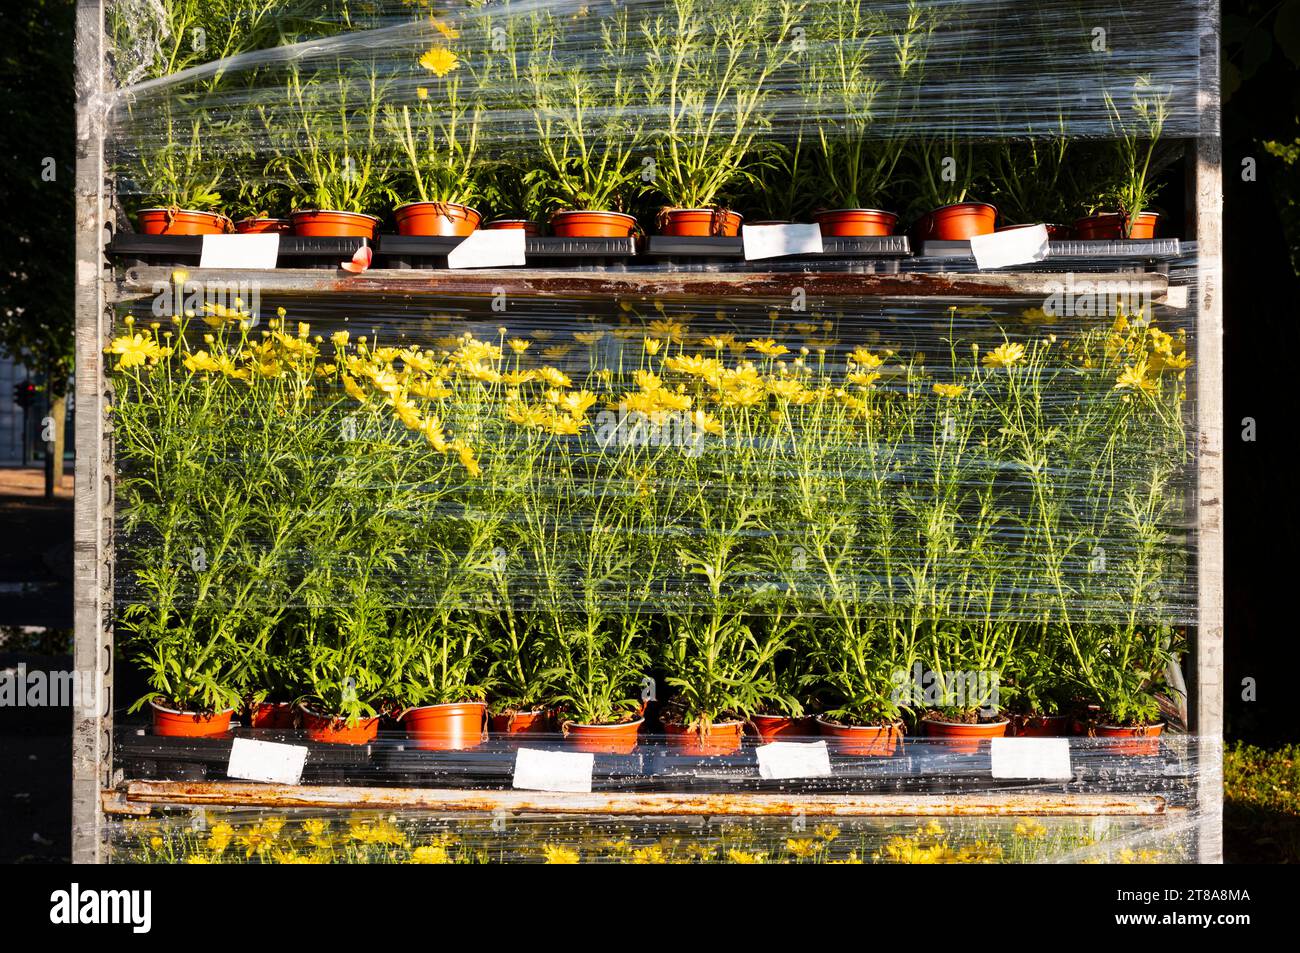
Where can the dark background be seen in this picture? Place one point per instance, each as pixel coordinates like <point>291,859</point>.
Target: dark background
<point>1262,381</point>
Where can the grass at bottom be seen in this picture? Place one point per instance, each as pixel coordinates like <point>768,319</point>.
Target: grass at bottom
<point>1261,823</point>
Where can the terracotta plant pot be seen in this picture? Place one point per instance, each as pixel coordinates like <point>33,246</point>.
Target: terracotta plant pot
<point>270,715</point>
<point>520,723</point>
<point>1142,740</point>
<point>962,738</point>
<point>855,222</point>
<point>723,738</point>
<point>172,221</point>
<point>320,223</point>
<point>445,219</point>
<point>1039,726</point>
<point>453,727</point>
<point>603,739</point>
<point>872,741</point>
<point>528,227</point>
<point>1109,226</point>
<point>592,225</point>
<point>337,731</point>
<point>262,226</point>
<point>700,223</point>
<point>1055,233</point>
<point>169,723</point>
<point>771,728</point>
<point>960,222</point>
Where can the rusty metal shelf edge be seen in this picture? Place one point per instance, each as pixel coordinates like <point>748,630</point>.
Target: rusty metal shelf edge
<point>138,797</point>
<point>144,281</point>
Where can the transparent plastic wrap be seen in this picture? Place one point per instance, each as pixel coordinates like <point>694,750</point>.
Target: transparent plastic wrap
<point>775,109</point>
<point>645,500</point>
<point>544,505</point>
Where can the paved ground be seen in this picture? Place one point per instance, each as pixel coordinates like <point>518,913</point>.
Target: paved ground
<point>35,627</point>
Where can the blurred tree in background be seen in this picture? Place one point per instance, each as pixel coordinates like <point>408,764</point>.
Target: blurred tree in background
<point>37,236</point>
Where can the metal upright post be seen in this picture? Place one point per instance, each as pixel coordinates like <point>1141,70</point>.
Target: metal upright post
<point>93,654</point>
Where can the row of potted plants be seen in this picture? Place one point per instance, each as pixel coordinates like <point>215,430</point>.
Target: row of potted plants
<point>780,523</point>
<point>670,116</point>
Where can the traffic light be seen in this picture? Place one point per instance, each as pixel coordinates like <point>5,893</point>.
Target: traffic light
<point>24,394</point>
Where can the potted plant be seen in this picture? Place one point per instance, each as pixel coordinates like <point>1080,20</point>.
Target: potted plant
<point>1033,184</point>
<point>348,663</point>
<point>439,137</point>
<point>1135,163</point>
<point>946,170</point>
<point>598,679</point>
<point>179,170</point>
<point>1039,695</point>
<point>261,199</point>
<point>515,194</point>
<point>589,127</point>
<point>710,71</point>
<point>718,666</point>
<point>441,657</point>
<point>520,660</point>
<point>856,164</point>
<point>332,152</point>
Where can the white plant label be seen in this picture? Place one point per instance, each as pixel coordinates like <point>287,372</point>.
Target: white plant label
<point>1176,297</point>
<point>240,251</point>
<point>491,248</point>
<point>794,759</point>
<point>568,771</point>
<point>776,241</point>
<point>1031,758</point>
<point>1016,246</point>
<point>266,761</point>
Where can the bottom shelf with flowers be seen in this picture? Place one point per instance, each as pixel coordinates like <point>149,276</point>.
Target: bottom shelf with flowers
<point>307,836</point>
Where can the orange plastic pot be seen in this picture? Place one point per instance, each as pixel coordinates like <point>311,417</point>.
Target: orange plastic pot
<point>963,738</point>
<point>179,221</point>
<point>960,222</point>
<point>855,222</point>
<point>1055,233</point>
<point>320,223</point>
<point>337,731</point>
<point>169,723</point>
<point>1040,726</point>
<point>452,727</point>
<point>604,739</point>
<point>592,225</point>
<point>871,741</point>
<point>271,715</point>
<point>520,723</point>
<point>446,219</point>
<point>262,226</point>
<point>528,227</point>
<point>771,728</point>
<point>1139,740</point>
<point>700,222</point>
<point>723,737</point>
<point>1110,226</point>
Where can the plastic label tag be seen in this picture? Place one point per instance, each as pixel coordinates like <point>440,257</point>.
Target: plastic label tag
<point>794,759</point>
<point>491,248</point>
<point>1016,246</point>
<point>1176,297</point>
<point>1031,758</point>
<point>774,241</point>
<point>266,761</point>
<point>240,251</point>
<point>568,771</point>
